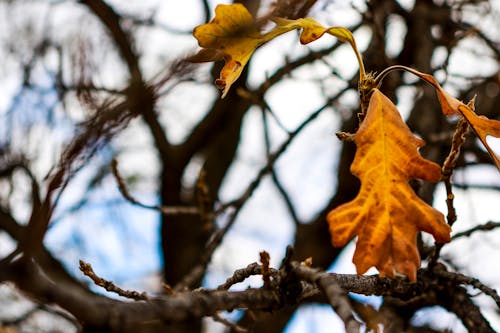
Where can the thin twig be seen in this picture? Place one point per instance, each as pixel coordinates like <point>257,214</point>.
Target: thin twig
<point>38,307</point>
<point>367,313</point>
<point>286,198</point>
<point>474,282</point>
<point>259,100</point>
<point>206,10</point>
<point>447,171</point>
<point>87,270</point>
<point>291,65</point>
<point>337,297</point>
<point>61,313</point>
<point>152,22</point>
<point>481,227</point>
<point>449,166</point>
<point>167,210</point>
<point>234,327</point>
<point>241,275</point>
<point>464,186</point>
<point>494,46</point>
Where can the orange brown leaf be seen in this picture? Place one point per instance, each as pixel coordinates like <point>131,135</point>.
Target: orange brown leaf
<point>386,215</point>
<point>481,125</point>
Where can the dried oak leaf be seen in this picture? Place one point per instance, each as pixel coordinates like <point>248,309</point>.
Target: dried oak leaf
<point>481,125</point>
<point>233,35</point>
<point>386,215</point>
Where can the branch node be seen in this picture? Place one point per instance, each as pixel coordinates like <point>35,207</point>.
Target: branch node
<point>266,274</point>
<point>345,136</point>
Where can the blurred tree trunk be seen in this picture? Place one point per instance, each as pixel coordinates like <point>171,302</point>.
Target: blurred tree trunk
<point>215,139</point>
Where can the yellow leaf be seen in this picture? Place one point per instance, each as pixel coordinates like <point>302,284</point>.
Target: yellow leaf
<point>312,30</point>
<point>386,215</point>
<point>233,36</point>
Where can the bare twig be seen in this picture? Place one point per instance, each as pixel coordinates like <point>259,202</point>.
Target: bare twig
<point>141,97</point>
<point>494,46</point>
<point>86,269</point>
<point>292,9</point>
<point>447,171</point>
<point>241,275</point>
<point>465,186</point>
<point>190,279</point>
<point>456,144</point>
<point>286,198</point>
<point>337,297</point>
<point>367,313</point>
<point>481,227</point>
<point>206,10</point>
<point>150,21</point>
<point>474,282</point>
<point>234,327</point>
<point>171,210</point>
<point>290,66</point>
<point>18,320</point>
<point>258,99</point>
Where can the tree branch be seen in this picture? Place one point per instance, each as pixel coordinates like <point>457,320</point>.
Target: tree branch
<point>481,227</point>
<point>460,278</point>
<point>111,20</point>
<point>167,210</point>
<point>86,269</point>
<point>337,297</point>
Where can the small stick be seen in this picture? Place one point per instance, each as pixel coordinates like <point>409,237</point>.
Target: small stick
<point>87,270</point>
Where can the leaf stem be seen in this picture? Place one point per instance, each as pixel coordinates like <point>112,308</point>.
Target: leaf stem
<point>380,77</point>
<point>362,73</point>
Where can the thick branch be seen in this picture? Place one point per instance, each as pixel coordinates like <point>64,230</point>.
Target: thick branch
<point>121,316</point>
<point>138,92</point>
<point>111,21</point>
<point>10,225</point>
